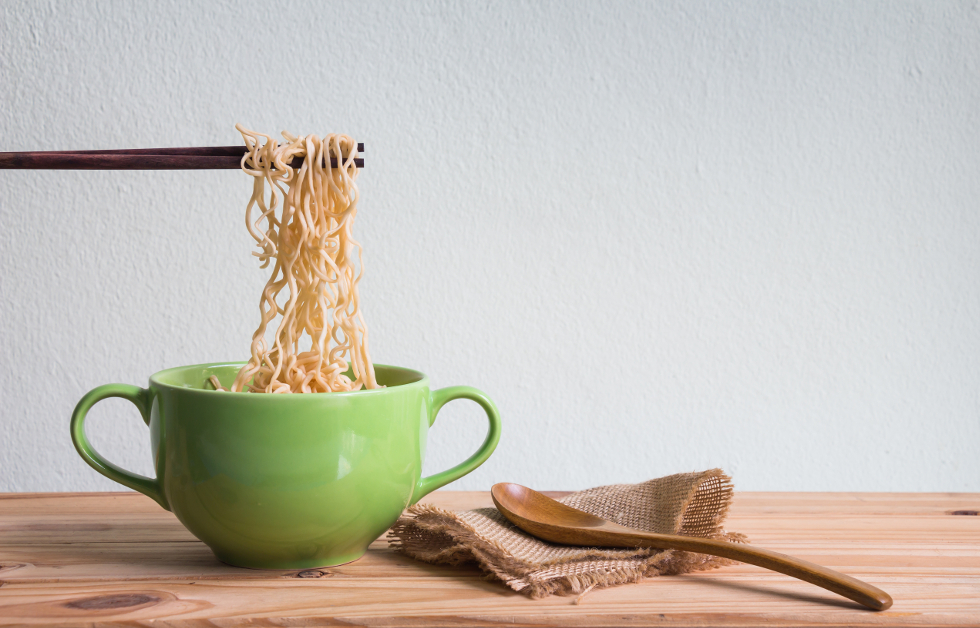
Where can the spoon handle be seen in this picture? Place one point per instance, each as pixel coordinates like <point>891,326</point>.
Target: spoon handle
<point>842,584</point>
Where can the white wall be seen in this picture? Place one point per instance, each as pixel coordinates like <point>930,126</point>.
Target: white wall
<point>662,236</point>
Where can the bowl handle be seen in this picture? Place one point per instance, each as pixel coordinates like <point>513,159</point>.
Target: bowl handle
<point>140,397</point>
<point>440,398</point>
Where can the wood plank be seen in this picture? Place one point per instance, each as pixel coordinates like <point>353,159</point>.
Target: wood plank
<point>118,559</point>
<point>757,503</point>
<point>697,600</point>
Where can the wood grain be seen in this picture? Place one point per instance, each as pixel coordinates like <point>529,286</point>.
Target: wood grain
<point>118,559</point>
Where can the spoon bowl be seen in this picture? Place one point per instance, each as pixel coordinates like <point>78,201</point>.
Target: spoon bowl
<point>549,520</point>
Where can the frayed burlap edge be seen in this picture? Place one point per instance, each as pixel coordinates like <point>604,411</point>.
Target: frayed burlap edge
<point>438,536</point>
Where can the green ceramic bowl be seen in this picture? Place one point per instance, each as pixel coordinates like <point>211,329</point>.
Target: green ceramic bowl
<point>285,481</point>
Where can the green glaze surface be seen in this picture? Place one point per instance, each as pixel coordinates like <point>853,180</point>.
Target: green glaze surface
<point>285,481</point>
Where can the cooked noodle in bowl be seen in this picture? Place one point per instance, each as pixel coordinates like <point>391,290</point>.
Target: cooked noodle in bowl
<point>316,266</point>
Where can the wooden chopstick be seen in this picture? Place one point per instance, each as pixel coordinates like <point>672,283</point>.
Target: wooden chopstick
<point>182,158</point>
<point>183,150</point>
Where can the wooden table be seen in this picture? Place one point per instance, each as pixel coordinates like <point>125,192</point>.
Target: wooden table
<point>117,558</point>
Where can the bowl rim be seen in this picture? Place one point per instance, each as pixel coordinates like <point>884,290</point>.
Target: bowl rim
<point>155,381</point>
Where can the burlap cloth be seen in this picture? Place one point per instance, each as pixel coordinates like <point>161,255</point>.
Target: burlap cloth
<point>693,504</point>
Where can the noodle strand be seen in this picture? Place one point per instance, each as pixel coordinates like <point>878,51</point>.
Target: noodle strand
<point>312,254</point>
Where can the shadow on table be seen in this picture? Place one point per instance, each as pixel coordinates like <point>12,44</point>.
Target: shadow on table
<point>828,599</point>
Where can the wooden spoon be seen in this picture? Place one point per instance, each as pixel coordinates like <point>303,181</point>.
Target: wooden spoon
<point>547,519</point>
